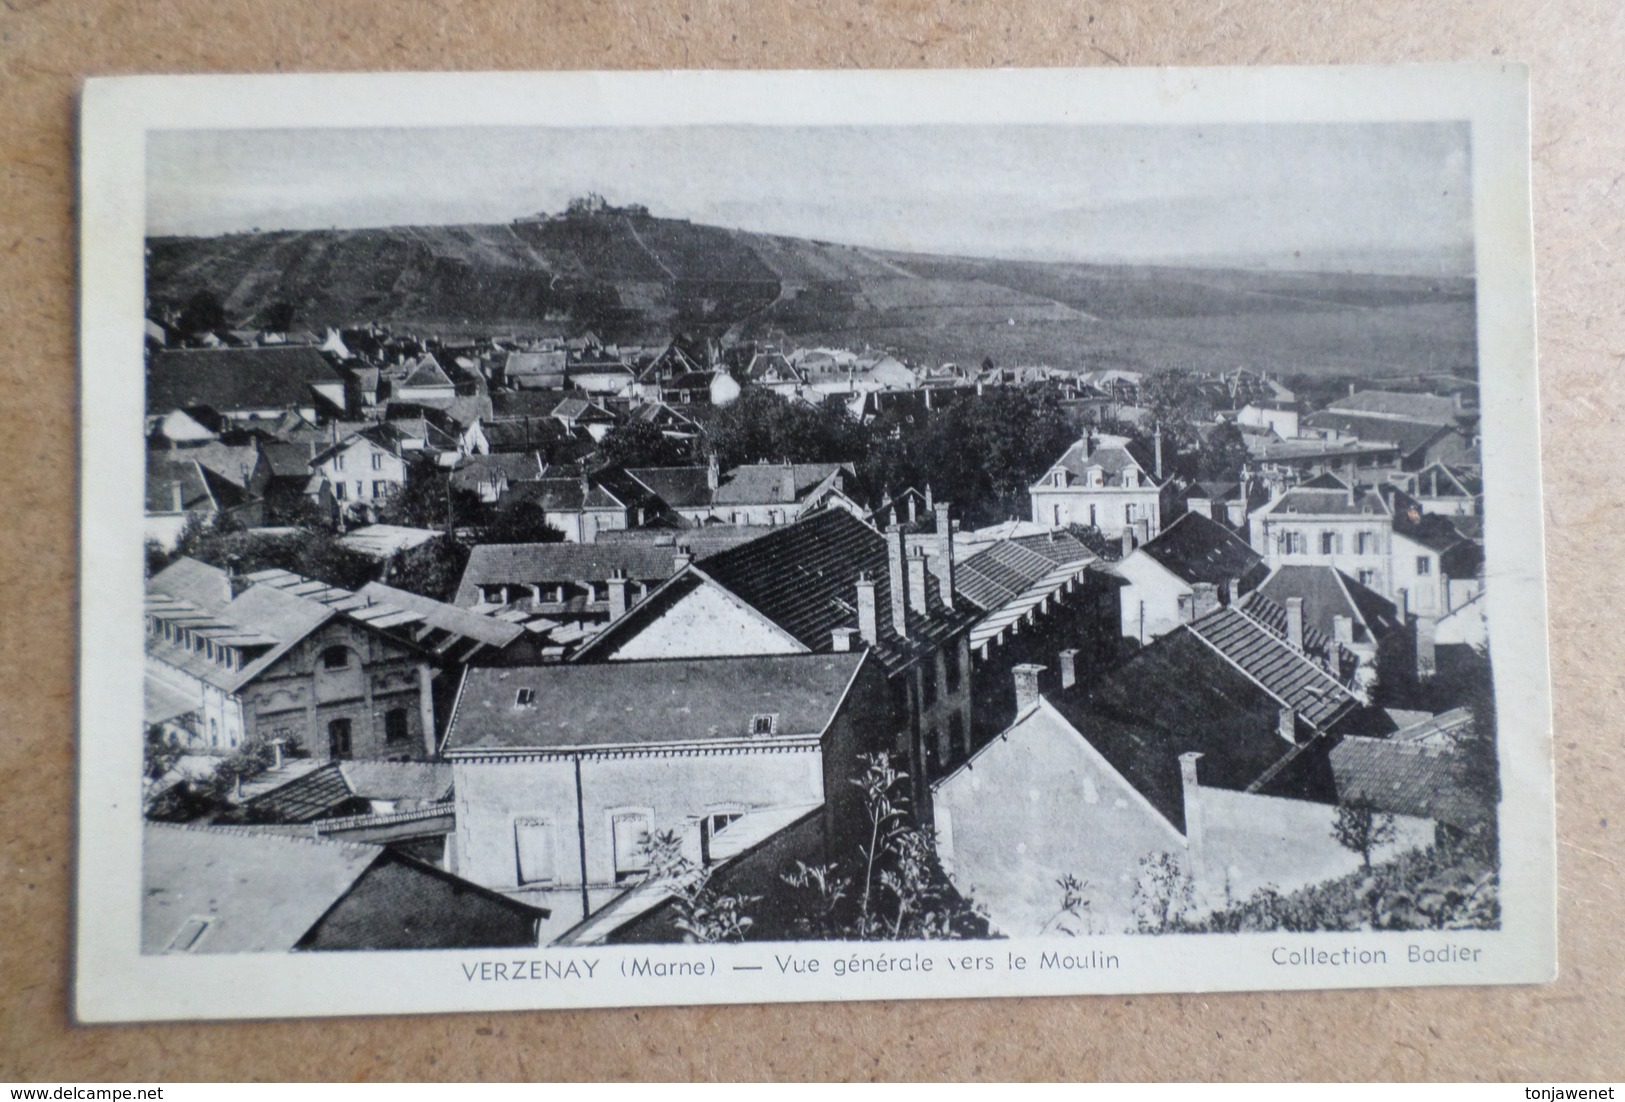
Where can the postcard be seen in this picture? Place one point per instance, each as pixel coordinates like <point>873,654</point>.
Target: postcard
<point>587,539</point>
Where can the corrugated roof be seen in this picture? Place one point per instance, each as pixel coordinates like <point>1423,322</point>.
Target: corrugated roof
<point>648,703</point>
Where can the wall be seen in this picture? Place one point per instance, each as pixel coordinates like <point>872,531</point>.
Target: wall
<point>1150,602</point>
<point>1109,502</point>
<point>1034,806</point>
<point>706,623</point>
<point>397,904</point>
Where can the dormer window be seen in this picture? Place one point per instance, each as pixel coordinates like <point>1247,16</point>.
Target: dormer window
<point>763,724</point>
<point>1058,478</point>
<point>524,698</point>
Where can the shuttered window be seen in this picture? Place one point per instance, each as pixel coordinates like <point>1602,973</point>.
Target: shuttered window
<point>533,847</point>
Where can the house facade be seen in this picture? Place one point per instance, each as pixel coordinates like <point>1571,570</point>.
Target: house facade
<point>1099,483</point>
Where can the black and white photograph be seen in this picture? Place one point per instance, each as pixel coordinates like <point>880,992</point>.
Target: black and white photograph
<point>705,542</point>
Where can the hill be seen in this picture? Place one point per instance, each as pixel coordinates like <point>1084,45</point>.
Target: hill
<point>631,276</point>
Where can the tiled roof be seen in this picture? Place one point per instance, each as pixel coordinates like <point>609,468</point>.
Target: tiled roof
<point>1407,777</point>
<point>1272,615</point>
<point>1007,569</point>
<point>1269,661</point>
<point>804,578</point>
<point>536,363</point>
<point>261,893</point>
<point>766,484</point>
<point>288,460</point>
<point>163,472</point>
<point>648,703</point>
<point>312,795</point>
<point>1425,408</point>
<point>551,563</point>
<point>190,580</point>
<point>443,620</point>
<point>1408,436</point>
<point>519,466</point>
<point>426,372</point>
<point>678,487</point>
<point>1195,548</point>
<point>1113,454</point>
<point>239,378</point>
<point>564,495</point>
<point>1327,502</point>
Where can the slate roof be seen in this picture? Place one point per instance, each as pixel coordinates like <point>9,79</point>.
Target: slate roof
<point>191,580</point>
<point>562,495</point>
<point>1196,549</point>
<point>261,892</point>
<point>1407,777</point>
<point>163,471</point>
<point>426,372</point>
<point>536,363</point>
<point>1327,502</point>
<point>1268,660</point>
<point>1112,454</point>
<point>236,378</point>
<point>611,704</point>
<point>552,563</point>
<point>525,466</point>
<point>579,409</point>
<point>288,460</point>
<point>1173,697</point>
<point>1327,593</point>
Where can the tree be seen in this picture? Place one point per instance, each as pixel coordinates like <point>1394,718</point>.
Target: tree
<point>641,444</point>
<point>314,553</point>
<point>202,313</point>
<point>428,500</point>
<point>1164,894</point>
<point>1223,453</point>
<point>519,522</point>
<point>1361,828</point>
<point>900,890</point>
<point>279,317</point>
<point>702,914</point>
<point>431,569</point>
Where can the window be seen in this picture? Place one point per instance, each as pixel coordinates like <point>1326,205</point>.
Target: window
<point>214,734</point>
<point>360,488</point>
<point>395,725</point>
<point>630,830</point>
<point>928,685</point>
<point>335,658</point>
<point>338,462</point>
<point>524,698</point>
<point>957,746</point>
<point>1328,543</point>
<point>1424,566</point>
<point>713,824</point>
<point>1368,578</point>
<point>187,937</point>
<point>1293,543</point>
<point>1128,513</point>
<point>377,461</point>
<point>763,724</point>
<point>338,491</point>
<point>1366,543</point>
<point>950,666</point>
<point>533,850</point>
<point>338,738</point>
<point>1056,512</point>
<point>1093,522</point>
<point>380,489</point>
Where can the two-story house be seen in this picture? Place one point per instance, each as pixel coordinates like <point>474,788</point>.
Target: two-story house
<point>361,471</point>
<point>1099,482</point>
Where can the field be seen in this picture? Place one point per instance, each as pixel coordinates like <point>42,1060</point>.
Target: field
<point>641,278</point>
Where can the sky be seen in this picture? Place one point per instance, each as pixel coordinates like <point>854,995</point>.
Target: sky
<point>1389,197</point>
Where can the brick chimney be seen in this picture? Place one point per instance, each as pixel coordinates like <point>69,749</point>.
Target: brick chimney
<point>1026,679</point>
<point>713,472</point>
<point>1069,667</point>
<point>1204,599</point>
<point>1294,622</point>
<point>841,639</point>
<point>619,593</point>
<point>942,564</point>
<point>917,569</point>
<point>1190,790</point>
<point>897,574</point>
<point>1286,725</point>
<point>868,620</point>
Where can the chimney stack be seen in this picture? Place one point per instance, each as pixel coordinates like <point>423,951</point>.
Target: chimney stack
<point>177,498</point>
<point>913,509</point>
<point>1142,530</point>
<point>1190,790</point>
<point>680,561</point>
<point>1026,679</point>
<point>1128,540</point>
<point>619,587</point>
<point>713,472</point>
<point>868,620</point>
<point>943,562</point>
<point>897,573</point>
<point>841,639</point>
<point>1294,622</point>
<point>1343,630</point>
<point>1286,725</point>
<point>916,582</point>
<point>1402,602</point>
<point>1204,599</point>
<point>1235,592</point>
<point>1353,480</point>
<point>1156,442</point>
<point>1069,667</point>
<point>787,484</point>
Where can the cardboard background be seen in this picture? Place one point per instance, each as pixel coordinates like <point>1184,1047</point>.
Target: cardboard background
<point>1570,1030</point>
